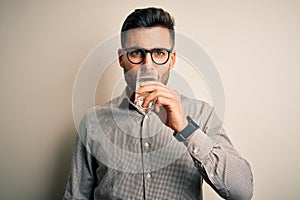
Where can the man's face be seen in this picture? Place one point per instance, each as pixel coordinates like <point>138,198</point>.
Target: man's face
<point>147,38</point>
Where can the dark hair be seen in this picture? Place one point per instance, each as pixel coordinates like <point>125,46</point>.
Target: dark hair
<point>148,17</point>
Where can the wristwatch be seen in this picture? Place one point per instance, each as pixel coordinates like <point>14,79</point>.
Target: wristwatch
<point>187,131</point>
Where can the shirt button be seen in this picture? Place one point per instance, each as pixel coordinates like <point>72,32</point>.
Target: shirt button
<point>195,150</point>
<point>146,116</point>
<point>148,176</point>
<point>146,144</point>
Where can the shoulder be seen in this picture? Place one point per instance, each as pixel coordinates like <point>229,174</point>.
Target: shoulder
<point>102,113</point>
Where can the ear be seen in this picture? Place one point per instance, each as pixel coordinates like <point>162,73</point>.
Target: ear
<point>172,59</point>
<point>120,55</point>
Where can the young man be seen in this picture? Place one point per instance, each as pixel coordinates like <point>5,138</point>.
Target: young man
<point>164,153</point>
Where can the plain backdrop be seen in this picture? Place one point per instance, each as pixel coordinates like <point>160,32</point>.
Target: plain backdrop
<point>255,46</point>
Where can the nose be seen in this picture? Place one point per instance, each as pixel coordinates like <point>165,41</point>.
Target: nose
<point>148,59</point>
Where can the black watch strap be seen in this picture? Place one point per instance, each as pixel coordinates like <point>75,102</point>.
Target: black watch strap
<point>187,131</point>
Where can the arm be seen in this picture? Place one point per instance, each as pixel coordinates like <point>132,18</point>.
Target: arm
<point>219,163</point>
<point>81,179</point>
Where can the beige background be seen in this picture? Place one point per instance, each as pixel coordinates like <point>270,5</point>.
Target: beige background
<point>254,44</point>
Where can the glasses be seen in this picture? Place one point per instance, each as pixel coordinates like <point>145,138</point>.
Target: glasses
<point>158,55</point>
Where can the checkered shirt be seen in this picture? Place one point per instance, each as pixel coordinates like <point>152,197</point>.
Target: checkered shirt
<point>122,153</point>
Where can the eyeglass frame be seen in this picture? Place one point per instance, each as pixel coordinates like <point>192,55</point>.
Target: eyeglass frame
<point>145,51</point>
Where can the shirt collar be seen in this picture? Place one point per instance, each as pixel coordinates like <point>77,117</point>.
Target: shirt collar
<point>124,101</point>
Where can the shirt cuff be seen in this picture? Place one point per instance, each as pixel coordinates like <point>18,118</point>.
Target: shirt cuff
<point>199,145</point>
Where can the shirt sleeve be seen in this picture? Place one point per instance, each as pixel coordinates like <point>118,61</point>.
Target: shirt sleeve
<point>82,174</point>
<point>220,164</point>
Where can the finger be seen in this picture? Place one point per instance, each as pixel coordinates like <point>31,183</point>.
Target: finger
<point>168,103</point>
<point>154,95</point>
<point>152,87</point>
<point>157,108</point>
<point>152,83</point>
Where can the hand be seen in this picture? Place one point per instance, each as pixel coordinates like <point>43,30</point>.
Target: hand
<point>169,99</point>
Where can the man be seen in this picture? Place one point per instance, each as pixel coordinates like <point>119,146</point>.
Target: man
<point>187,133</point>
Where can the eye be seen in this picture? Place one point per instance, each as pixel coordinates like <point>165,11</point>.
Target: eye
<point>136,52</point>
<point>160,52</point>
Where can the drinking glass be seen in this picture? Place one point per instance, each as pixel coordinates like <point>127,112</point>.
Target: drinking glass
<point>145,73</point>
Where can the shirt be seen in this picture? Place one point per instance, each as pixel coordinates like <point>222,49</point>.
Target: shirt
<point>123,153</point>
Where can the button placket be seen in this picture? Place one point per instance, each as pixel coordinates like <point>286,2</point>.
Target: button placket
<point>146,144</point>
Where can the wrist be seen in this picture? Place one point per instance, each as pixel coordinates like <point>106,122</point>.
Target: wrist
<point>184,124</point>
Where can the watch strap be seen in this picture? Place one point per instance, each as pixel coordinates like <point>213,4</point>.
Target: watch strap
<point>187,131</point>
